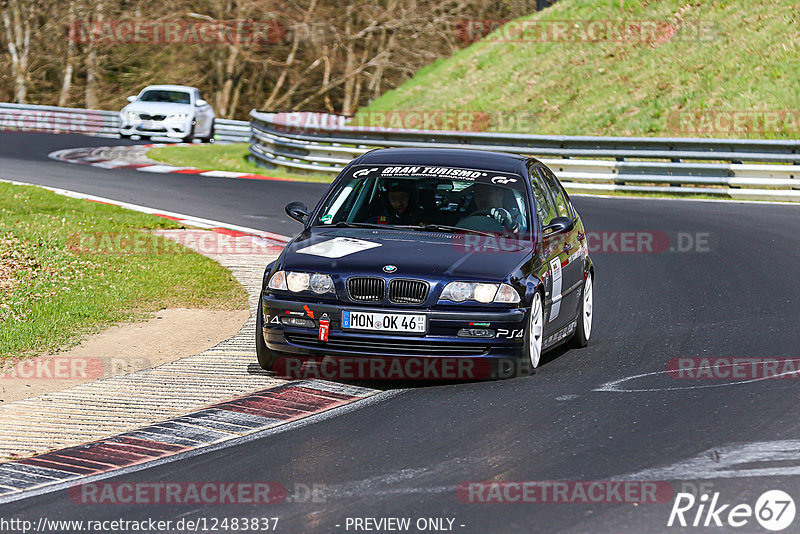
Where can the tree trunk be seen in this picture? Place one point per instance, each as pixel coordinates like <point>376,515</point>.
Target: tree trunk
<point>66,85</point>
<point>270,101</point>
<point>17,24</point>
<point>349,62</point>
<point>91,61</point>
<point>223,97</point>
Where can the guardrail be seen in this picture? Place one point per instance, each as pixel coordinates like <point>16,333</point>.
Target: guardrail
<point>231,131</point>
<point>24,117</point>
<point>322,143</point>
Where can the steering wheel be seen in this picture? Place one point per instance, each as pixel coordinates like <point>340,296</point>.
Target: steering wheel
<point>501,216</point>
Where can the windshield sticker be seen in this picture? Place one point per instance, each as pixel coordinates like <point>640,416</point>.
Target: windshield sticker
<point>448,172</point>
<point>338,247</point>
<point>364,172</point>
<point>454,174</point>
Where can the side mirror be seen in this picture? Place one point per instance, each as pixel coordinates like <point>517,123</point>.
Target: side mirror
<point>131,99</point>
<point>297,211</point>
<point>557,225</point>
<point>200,103</point>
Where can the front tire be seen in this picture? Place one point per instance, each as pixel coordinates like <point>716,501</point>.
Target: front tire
<point>532,351</point>
<point>190,136</point>
<point>266,358</point>
<point>585,315</point>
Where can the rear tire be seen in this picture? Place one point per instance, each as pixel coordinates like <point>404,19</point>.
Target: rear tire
<point>266,358</point>
<point>585,315</point>
<point>210,138</point>
<point>532,350</point>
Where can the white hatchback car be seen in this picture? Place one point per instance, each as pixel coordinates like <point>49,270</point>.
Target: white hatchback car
<point>175,111</point>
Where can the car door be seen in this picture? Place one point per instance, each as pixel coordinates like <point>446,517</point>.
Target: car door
<point>551,255</point>
<point>572,255</point>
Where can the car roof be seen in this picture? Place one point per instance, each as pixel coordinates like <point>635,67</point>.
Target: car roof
<point>447,157</point>
<point>171,88</point>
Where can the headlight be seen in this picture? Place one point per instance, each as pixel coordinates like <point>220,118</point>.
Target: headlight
<point>178,117</point>
<point>481,292</point>
<point>278,281</point>
<point>297,281</point>
<point>129,115</point>
<point>485,292</point>
<point>457,291</point>
<point>291,281</point>
<point>507,294</point>
<point>321,283</point>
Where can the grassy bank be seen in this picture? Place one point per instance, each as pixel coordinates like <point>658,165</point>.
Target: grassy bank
<point>704,61</point>
<point>225,157</point>
<point>53,293</point>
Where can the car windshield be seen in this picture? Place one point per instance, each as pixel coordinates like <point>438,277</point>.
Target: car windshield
<point>447,199</point>
<point>160,95</point>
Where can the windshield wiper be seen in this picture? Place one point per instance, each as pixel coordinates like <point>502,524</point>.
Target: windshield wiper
<point>445,228</point>
<point>418,227</point>
<point>346,224</point>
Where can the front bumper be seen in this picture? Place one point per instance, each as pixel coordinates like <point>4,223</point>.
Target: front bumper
<point>163,128</point>
<point>441,339</point>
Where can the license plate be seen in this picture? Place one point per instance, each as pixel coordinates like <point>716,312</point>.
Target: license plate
<point>383,322</point>
<point>148,125</point>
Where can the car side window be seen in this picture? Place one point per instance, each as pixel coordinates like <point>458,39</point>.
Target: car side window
<point>559,196</point>
<point>544,206</point>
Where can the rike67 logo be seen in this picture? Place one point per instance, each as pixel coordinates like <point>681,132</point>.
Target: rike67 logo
<point>774,510</point>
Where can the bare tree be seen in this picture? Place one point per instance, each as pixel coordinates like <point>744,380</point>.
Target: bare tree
<point>90,91</point>
<point>17,25</point>
<point>69,65</point>
<point>335,54</point>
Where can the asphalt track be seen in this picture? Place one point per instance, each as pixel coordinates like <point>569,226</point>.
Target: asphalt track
<point>406,455</point>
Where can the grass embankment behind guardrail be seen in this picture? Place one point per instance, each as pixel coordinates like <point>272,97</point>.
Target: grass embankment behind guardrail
<point>704,59</point>
<point>55,289</point>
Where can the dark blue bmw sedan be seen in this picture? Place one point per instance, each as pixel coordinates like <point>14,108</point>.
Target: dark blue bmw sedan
<point>419,254</point>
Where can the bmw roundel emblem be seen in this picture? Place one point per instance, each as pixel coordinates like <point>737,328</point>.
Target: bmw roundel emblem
<point>389,268</point>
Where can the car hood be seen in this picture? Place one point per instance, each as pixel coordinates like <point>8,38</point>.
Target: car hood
<point>158,108</point>
<point>412,253</point>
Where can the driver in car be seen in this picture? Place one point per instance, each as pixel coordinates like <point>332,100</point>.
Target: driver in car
<point>397,207</point>
<point>488,200</point>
